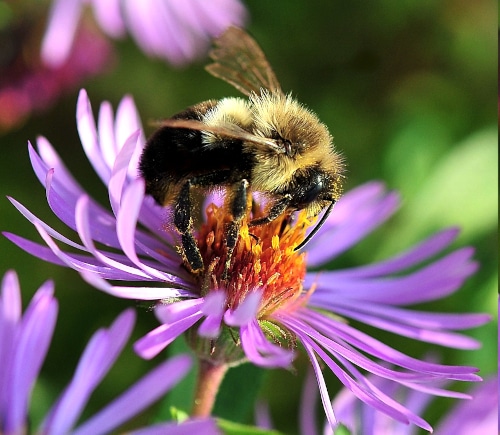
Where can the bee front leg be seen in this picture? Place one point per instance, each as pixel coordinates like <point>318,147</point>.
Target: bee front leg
<point>238,208</point>
<point>274,212</point>
<point>184,224</point>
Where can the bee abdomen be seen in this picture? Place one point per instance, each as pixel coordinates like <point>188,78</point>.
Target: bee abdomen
<point>174,155</point>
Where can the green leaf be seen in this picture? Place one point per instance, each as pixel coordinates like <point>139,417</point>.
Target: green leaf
<point>231,428</point>
<point>463,188</point>
<point>178,415</point>
<point>461,191</point>
<point>238,393</point>
<point>342,430</point>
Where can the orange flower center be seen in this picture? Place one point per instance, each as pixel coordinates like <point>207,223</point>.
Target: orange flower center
<point>263,259</point>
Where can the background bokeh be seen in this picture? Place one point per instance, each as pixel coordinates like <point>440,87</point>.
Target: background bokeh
<point>409,91</point>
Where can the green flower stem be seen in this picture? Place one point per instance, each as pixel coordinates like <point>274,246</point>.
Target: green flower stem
<point>210,377</point>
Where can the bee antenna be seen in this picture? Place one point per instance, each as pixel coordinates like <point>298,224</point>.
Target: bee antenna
<point>317,227</point>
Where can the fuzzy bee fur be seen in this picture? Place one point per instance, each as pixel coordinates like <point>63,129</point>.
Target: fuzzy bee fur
<point>267,143</point>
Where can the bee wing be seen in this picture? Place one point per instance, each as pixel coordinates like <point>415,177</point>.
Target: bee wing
<point>239,61</point>
<point>226,130</point>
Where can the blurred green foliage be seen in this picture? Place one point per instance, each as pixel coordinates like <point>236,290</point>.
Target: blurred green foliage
<point>409,91</point>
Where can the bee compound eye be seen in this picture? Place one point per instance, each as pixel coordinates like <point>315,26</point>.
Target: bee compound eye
<point>313,193</point>
<point>310,189</point>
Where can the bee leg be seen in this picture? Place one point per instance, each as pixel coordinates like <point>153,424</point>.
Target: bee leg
<point>184,223</point>
<point>275,211</point>
<point>238,210</point>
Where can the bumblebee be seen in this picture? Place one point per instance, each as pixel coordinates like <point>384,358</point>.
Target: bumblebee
<point>266,143</point>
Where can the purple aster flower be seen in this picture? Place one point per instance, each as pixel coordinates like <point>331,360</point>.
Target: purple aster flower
<point>24,341</point>
<point>270,302</point>
<point>478,415</point>
<point>174,30</point>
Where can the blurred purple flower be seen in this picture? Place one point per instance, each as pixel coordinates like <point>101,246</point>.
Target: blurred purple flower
<point>479,416</point>
<point>27,86</point>
<point>177,31</point>
<point>264,302</point>
<point>24,341</point>
<point>476,416</point>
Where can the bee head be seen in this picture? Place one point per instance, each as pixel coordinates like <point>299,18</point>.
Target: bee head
<point>295,129</point>
<point>304,164</point>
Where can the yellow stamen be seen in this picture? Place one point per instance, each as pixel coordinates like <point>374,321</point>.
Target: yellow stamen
<point>263,258</point>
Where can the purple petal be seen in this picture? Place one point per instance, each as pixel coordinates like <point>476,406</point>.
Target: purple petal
<point>340,349</point>
<point>116,261</point>
<point>10,316</point>
<point>263,416</point>
<point>307,408</point>
<point>143,393</point>
<point>83,227</point>
<point>128,122</point>
<point>139,293</point>
<point>108,15</point>
<point>108,148</point>
<point>100,353</point>
<point>434,281</point>
<point>72,261</point>
<point>35,249</point>
<point>80,263</point>
<point>210,327</point>
<point>340,331</point>
<point>155,341</point>
<point>49,230</point>
<point>345,353</point>
<point>119,173</point>
<point>31,345</point>
<point>186,42</point>
<point>47,159</point>
<point>226,13</point>
<point>213,307</point>
<point>246,310</point>
<point>367,420</point>
<point>60,33</point>
<point>10,299</point>
<point>63,204</point>
<point>476,417</point>
<point>365,390</point>
<point>415,255</point>
<point>154,218</point>
<point>88,136</point>
<point>138,18</point>
<point>260,351</point>
<point>126,227</point>
<point>173,312</point>
<point>325,397</point>
<point>119,262</point>
<point>350,221</point>
<point>214,303</point>
<point>429,327</point>
<point>434,391</point>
